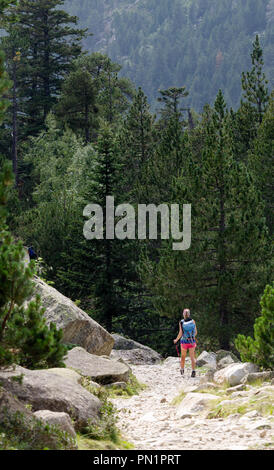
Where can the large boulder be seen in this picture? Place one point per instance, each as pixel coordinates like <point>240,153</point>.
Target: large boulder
<point>22,426</point>
<point>77,326</point>
<point>46,390</point>
<point>99,369</point>
<point>195,404</point>
<point>133,352</point>
<point>233,374</point>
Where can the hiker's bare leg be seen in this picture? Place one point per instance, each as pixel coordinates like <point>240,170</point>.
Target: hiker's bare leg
<point>192,358</point>
<point>183,357</point>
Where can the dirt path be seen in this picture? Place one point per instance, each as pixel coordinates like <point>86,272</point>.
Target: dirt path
<point>149,420</point>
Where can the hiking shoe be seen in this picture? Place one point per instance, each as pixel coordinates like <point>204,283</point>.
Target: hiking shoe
<point>182,371</point>
<point>193,374</point>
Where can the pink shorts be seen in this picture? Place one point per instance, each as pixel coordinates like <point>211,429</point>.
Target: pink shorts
<point>187,346</point>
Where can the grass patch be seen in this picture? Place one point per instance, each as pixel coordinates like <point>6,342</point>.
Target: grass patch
<point>104,434</point>
<point>86,443</point>
<point>262,405</point>
<point>177,400</point>
<point>133,387</point>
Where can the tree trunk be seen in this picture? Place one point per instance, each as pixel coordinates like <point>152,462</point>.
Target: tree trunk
<point>87,131</point>
<point>223,309</point>
<point>46,68</point>
<point>14,119</point>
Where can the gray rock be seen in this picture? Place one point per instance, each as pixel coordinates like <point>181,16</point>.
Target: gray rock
<point>67,374</point>
<point>46,390</point>
<point>207,359</point>
<point>234,373</point>
<point>225,362</point>
<point>125,343</point>
<point>24,425</point>
<point>237,388</point>
<point>103,371</point>
<point>133,352</point>
<point>60,419</point>
<point>206,386</point>
<point>121,385</point>
<point>136,356</point>
<point>208,377</point>
<point>252,377</point>
<point>78,328</point>
<point>258,425</point>
<point>221,354</point>
<point>194,404</point>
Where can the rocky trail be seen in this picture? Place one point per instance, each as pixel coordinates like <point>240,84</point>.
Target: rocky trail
<point>150,421</point>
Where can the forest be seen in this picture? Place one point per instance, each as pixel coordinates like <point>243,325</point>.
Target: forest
<point>75,128</point>
<point>201,44</point>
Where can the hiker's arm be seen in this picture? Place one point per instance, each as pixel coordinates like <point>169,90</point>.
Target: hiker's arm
<point>180,334</point>
<point>195,330</point>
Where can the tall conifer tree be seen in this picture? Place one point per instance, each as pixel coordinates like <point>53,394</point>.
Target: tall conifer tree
<point>53,43</point>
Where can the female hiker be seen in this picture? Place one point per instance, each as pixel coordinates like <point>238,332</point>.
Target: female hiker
<point>187,334</point>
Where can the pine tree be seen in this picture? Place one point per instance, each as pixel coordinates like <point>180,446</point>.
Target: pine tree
<point>53,44</point>
<point>14,45</point>
<point>260,161</point>
<point>136,140</point>
<point>112,91</point>
<point>260,350</point>
<point>254,82</point>
<point>247,119</point>
<point>106,177</point>
<point>76,106</point>
<point>38,345</point>
<point>171,100</point>
<point>169,151</point>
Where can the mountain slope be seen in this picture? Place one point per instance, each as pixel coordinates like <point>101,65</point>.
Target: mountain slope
<point>203,44</point>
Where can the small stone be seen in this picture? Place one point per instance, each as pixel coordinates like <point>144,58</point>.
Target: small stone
<point>252,414</point>
<point>263,434</point>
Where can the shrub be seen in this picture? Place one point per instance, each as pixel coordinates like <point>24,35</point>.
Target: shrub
<point>260,350</point>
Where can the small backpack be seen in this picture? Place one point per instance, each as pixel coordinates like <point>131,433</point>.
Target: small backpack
<point>32,253</point>
<point>188,328</point>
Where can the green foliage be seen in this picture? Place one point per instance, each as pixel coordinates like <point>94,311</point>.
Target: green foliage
<point>5,85</point>
<point>59,163</point>
<point>76,106</point>
<point>24,337</point>
<point>20,433</point>
<point>104,428</point>
<point>52,42</point>
<point>260,350</point>
<point>39,346</point>
<point>260,161</point>
<point>216,274</point>
<point>254,82</point>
